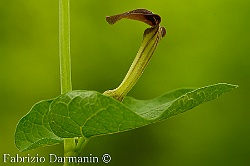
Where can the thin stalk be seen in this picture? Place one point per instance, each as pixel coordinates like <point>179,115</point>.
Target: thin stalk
<point>64,46</point>
<point>65,66</point>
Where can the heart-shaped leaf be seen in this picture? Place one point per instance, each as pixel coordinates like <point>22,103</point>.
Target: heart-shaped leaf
<point>90,113</point>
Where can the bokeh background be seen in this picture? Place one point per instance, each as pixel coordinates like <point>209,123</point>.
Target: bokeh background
<point>207,42</point>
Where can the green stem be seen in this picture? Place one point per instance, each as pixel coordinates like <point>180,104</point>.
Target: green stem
<point>64,46</point>
<point>65,68</point>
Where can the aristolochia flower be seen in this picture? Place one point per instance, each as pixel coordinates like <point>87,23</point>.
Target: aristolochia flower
<point>151,38</point>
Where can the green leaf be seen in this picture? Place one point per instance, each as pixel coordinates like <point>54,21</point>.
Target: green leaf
<point>33,129</point>
<point>89,113</point>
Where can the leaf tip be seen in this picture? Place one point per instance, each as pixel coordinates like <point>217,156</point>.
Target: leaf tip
<point>235,86</point>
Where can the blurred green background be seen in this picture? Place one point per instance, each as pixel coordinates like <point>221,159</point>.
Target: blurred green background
<point>207,42</point>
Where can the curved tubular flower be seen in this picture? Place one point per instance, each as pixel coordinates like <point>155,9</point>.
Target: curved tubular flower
<point>151,38</point>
